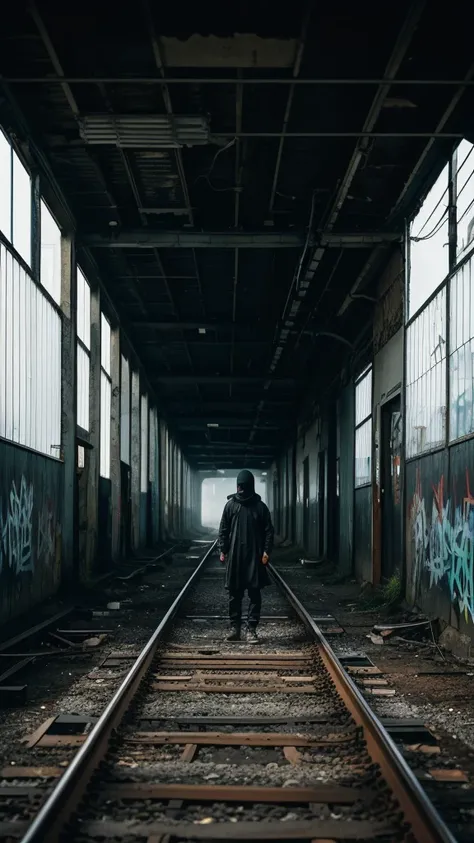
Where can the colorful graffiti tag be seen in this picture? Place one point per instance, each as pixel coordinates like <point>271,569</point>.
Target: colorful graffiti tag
<point>17,547</point>
<point>444,542</point>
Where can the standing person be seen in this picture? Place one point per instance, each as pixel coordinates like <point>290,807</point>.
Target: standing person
<point>245,543</point>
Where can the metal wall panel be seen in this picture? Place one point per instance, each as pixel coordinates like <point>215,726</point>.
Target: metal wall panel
<point>30,529</point>
<point>30,361</point>
<point>125,411</point>
<point>83,397</point>
<point>363,534</point>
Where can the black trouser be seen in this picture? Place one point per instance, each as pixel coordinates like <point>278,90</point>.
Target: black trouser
<point>235,606</point>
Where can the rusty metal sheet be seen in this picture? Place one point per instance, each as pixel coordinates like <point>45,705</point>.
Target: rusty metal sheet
<point>235,739</point>
<point>322,793</point>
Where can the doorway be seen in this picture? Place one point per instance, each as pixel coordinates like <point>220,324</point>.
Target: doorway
<point>321,504</point>
<point>391,450</point>
<point>306,504</point>
<point>125,512</point>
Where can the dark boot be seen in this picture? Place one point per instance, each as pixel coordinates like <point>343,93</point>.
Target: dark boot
<point>252,637</point>
<point>234,633</point>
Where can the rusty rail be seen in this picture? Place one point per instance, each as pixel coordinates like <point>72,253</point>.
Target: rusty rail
<point>49,824</point>
<point>425,821</point>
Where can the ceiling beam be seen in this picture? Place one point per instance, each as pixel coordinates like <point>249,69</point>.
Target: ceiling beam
<point>190,426</point>
<point>224,80</point>
<point>149,239</point>
<point>219,380</point>
<point>219,447</point>
<point>183,326</point>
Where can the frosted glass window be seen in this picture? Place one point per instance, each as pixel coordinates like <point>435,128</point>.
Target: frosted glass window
<point>50,254</point>
<point>83,309</point>
<point>21,210</point>
<point>429,253</point>
<point>5,187</point>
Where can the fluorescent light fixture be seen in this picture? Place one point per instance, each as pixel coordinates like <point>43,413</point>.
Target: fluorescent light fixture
<point>202,330</point>
<point>264,473</point>
<point>147,131</point>
<point>212,424</point>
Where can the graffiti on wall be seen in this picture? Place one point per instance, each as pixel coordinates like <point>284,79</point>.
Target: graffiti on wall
<point>18,551</point>
<point>443,539</point>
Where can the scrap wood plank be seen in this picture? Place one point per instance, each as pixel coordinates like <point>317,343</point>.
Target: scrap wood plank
<point>363,671</point>
<point>297,830</point>
<point>61,740</point>
<point>446,775</point>
<point>239,656</point>
<point>228,664</point>
<point>234,689</point>
<point>235,739</point>
<point>255,676</point>
<point>189,752</point>
<point>323,793</point>
<point>31,740</point>
<point>31,772</point>
<point>292,755</point>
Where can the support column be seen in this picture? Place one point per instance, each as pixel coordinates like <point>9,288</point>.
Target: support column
<point>135,461</point>
<point>68,408</point>
<point>115,477</point>
<point>93,455</point>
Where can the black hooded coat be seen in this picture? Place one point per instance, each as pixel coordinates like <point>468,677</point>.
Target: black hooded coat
<point>245,534</point>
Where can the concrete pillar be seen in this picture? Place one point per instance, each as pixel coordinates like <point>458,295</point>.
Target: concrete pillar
<point>69,409</point>
<point>135,459</point>
<point>115,476</point>
<point>93,456</point>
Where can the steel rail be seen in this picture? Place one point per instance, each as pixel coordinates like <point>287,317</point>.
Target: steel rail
<point>419,812</point>
<point>50,822</point>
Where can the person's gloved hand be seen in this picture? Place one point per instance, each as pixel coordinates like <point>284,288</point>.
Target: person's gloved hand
<point>222,558</point>
<point>265,559</point>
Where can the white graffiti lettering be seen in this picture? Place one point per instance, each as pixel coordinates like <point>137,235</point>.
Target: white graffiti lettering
<point>16,529</point>
<point>46,535</point>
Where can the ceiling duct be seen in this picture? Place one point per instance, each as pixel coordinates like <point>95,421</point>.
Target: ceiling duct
<point>147,131</point>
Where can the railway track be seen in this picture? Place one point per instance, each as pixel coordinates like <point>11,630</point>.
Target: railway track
<point>208,740</point>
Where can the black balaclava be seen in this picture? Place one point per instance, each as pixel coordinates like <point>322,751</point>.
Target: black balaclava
<point>245,485</point>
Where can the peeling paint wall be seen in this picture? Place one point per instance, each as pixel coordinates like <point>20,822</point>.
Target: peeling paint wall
<point>30,529</point>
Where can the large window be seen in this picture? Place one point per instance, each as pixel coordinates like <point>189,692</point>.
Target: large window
<point>429,349</point>
<point>461,352</point>
<point>50,273</point>
<point>30,361</point>
<point>426,378</point>
<point>15,200</point>
<point>83,349</point>
<point>105,397</point>
<point>363,431</point>
<point>465,197</point>
<point>429,253</point>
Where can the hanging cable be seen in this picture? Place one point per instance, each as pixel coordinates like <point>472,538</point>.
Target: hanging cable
<point>207,176</point>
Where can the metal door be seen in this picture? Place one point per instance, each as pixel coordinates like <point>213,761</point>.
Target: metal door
<point>391,450</point>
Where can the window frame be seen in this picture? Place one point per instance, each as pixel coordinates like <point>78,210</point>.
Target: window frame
<point>367,372</point>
